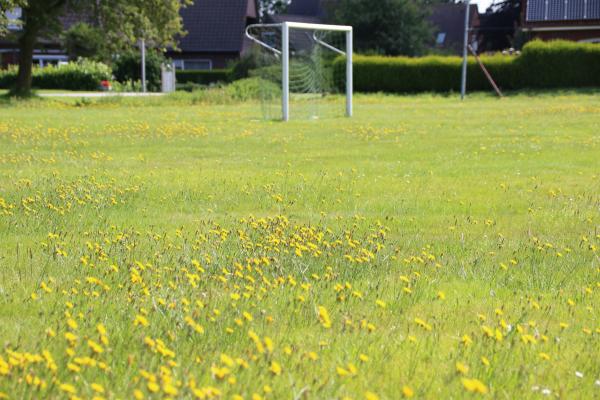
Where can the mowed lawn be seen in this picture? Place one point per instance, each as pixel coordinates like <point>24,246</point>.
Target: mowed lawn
<point>155,248</point>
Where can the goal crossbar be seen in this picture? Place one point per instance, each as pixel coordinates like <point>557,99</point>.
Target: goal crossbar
<point>284,53</point>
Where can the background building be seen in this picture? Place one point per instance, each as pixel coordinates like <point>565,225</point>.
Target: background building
<point>577,20</point>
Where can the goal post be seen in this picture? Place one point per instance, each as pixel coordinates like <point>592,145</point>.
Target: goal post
<point>289,42</point>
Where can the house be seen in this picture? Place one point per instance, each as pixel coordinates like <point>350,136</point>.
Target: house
<point>448,22</point>
<point>215,33</point>
<point>577,20</point>
<point>215,36</point>
<point>47,52</point>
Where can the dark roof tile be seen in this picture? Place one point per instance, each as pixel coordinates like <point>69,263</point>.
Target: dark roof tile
<point>214,26</point>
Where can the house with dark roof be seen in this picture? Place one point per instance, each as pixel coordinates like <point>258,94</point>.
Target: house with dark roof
<point>48,51</point>
<point>215,36</point>
<point>215,33</point>
<point>448,22</point>
<point>577,20</point>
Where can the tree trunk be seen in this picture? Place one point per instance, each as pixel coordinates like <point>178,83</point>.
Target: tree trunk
<point>26,46</point>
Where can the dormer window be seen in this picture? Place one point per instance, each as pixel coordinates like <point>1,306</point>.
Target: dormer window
<point>440,39</point>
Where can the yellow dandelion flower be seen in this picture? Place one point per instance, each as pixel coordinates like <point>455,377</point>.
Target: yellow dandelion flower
<point>371,396</point>
<point>140,320</point>
<point>474,386</point>
<point>67,388</point>
<point>275,368</point>
<point>324,317</point>
<point>461,368</point>
<point>407,392</point>
<point>96,348</point>
<point>153,387</point>
<point>97,388</point>
<point>170,389</point>
<point>72,323</point>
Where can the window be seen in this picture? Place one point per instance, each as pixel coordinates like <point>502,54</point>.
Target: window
<point>441,38</point>
<point>197,64</point>
<point>178,64</point>
<point>44,60</point>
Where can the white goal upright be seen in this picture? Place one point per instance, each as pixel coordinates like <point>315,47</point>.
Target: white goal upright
<point>296,60</point>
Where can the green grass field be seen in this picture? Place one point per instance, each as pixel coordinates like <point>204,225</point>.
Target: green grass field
<point>155,248</point>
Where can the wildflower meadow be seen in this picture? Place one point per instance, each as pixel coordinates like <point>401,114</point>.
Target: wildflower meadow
<point>426,248</point>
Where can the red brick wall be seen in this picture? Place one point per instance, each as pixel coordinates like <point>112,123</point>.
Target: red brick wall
<point>576,36</point>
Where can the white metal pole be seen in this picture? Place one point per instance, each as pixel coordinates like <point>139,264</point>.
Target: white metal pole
<point>285,64</point>
<point>349,74</point>
<point>143,44</point>
<point>463,83</point>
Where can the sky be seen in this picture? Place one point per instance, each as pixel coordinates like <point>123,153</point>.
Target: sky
<point>483,4</point>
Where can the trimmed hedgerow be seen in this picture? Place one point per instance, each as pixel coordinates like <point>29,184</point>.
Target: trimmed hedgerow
<point>204,77</point>
<point>81,75</point>
<point>557,64</point>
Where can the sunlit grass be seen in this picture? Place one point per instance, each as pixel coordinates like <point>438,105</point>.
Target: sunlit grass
<point>429,248</point>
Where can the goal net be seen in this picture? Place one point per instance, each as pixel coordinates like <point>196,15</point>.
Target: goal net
<point>294,63</point>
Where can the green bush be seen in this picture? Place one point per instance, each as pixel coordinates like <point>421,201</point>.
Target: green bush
<point>249,89</point>
<point>127,67</point>
<point>559,64</point>
<point>424,74</point>
<point>556,64</point>
<point>204,77</point>
<point>80,75</point>
<point>252,89</point>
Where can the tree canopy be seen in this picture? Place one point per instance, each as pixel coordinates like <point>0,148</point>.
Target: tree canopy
<point>122,22</point>
<point>500,24</point>
<point>391,27</point>
<point>269,7</point>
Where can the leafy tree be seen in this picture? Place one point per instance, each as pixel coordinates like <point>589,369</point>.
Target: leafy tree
<point>122,23</point>
<point>85,40</point>
<point>390,27</point>
<point>269,7</point>
<point>127,68</point>
<point>499,25</point>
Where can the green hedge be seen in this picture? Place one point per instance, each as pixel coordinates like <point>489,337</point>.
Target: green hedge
<point>560,64</point>
<point>557,64</point>
<point>82,75</point>
<point>203,77</point>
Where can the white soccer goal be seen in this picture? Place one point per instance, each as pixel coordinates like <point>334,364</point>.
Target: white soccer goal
<point>295,62</point>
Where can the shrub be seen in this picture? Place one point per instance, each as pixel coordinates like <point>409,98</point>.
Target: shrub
<point>80,75</point>
<point>559,64</point>
<point>239,91</point>
<point>127,67</point>
<point>252,89</point>
<point>556,64</point>
<point>203,77</point>
<point>429,74</point>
